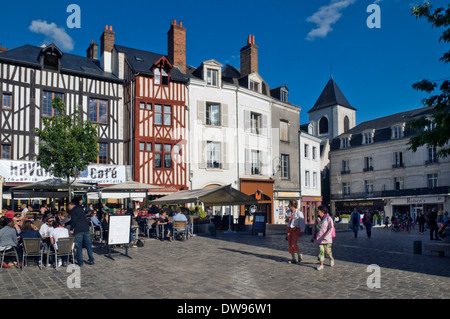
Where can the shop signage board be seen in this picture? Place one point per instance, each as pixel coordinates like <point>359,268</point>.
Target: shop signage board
<point>23,172</point>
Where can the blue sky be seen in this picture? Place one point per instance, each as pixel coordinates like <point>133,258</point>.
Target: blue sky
<point>375,68</point>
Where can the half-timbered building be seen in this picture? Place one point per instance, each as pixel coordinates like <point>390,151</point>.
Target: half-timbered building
<point>31,77</point>
<point>156,95</point>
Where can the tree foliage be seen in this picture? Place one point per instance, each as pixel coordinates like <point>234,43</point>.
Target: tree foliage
<point>434,131</point>
<point>67,144</point>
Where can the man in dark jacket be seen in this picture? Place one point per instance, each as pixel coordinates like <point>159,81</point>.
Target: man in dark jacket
<point>80,229</point>
<point>432,224</point>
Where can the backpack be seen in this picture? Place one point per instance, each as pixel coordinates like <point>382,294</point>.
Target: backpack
<point>140,243</point>
<point>355,219</point>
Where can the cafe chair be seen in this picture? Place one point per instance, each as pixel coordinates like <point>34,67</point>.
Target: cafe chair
<point>8,251</point>
<point>65,248</point>
<point>180,230</point>
<point>32,247</point>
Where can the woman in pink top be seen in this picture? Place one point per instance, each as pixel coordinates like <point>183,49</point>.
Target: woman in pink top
<point>323,233</point>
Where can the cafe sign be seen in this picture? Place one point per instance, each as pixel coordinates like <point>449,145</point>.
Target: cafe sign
<point>31,172</point>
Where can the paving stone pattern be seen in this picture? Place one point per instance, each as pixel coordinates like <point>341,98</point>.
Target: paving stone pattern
<point>241,266</point>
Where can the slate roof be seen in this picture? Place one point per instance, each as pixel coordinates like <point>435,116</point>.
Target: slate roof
<point>142,62</point>
<point>29,55</point>
<point>382,128</point>
<point>330,96</point>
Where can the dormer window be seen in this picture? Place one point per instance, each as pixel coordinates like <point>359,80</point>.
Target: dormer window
<point>161,71</point>
<point>50,58</point>
<point>211,77</point>
<point>368,137</point>
<point>254,86</point>
<point>161,76</point>
<point>284,96</point>
<point>397,131</point>
<point>345,142</point>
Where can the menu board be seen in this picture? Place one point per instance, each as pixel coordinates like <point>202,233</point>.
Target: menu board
<point>119,230</point>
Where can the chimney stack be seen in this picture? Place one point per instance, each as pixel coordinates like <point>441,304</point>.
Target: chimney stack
<point>107,45</point>
<point>92,51</point>
<point>4,49</point>
<point>249,57</point>
<point>177,45</point>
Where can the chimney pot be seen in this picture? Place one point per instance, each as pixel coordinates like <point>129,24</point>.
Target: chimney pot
<point>110,28</point>
<point>249,57</point>
<point>181,24</point>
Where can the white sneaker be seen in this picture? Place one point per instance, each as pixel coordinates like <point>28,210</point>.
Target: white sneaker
<point>332,263</point>
<point>320,267</point>
<point>300,258</point>
<point>59,263</point>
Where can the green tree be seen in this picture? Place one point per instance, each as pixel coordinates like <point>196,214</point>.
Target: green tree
<point>434,131</point>
<point>67,144</point>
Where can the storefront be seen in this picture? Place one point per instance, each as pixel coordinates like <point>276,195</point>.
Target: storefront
<point>416,205</point>
<point>309,206</point>
<point>281,204</point>
<point>346,207</point>
<point>262,189</point>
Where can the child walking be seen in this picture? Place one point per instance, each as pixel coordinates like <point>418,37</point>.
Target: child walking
<point>323,233</point>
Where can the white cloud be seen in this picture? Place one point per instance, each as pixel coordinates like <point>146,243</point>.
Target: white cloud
<point>53,34</point>
<point>325,17</point>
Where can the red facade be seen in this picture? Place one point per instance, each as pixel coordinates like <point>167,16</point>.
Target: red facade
<point>160,129</point>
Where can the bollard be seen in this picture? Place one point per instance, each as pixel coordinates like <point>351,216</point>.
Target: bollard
<point>212,230</point>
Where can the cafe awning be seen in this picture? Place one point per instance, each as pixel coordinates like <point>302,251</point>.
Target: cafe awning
<point>217,196</point>
<point>130,189</point>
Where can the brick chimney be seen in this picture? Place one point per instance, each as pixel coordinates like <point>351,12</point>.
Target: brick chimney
<point>92,51</point>
<point>177,45</point>
<point>107,45</point>
<point>3,49</point>
<point>249,57</point>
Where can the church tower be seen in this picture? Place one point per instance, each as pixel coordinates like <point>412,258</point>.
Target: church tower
<point>332,115</point>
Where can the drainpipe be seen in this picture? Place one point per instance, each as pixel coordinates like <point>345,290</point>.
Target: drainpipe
<point>2,181</point>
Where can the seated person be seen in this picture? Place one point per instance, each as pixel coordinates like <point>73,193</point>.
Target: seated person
<point>8,237</point>
<point>58,231</point>
<point>29,230</point>
<point>105,226</point>
<point>46,229</point>
<point>94,220</point>
<point>179,216</point>
<point>164,220</point>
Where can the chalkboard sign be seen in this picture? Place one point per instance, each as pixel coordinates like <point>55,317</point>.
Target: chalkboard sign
<point>119,230</point>
<point>259,223</point>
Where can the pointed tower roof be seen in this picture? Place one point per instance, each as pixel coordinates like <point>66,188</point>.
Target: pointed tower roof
<point>331,95</point>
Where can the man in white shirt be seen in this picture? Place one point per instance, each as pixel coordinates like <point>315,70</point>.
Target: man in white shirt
<point>295,229</point>
<point>58,231</point>
<point>46,228</point>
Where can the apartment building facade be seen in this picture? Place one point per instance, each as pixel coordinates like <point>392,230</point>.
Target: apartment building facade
<point>371,167</point>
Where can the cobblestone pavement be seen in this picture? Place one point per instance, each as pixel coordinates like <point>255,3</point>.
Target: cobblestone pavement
<point>236,266</point>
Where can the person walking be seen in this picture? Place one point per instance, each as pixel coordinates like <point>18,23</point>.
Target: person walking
<point>368,223</point>
<point>432,224</point>
<point>295,229</point>
<point>355,219</point>
<point>80,229</point>
<point>323,233</point>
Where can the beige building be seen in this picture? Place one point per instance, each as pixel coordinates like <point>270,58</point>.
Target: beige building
<point>371,167</point>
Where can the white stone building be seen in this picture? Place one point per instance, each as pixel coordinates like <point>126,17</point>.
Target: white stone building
<point>371,167</point>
